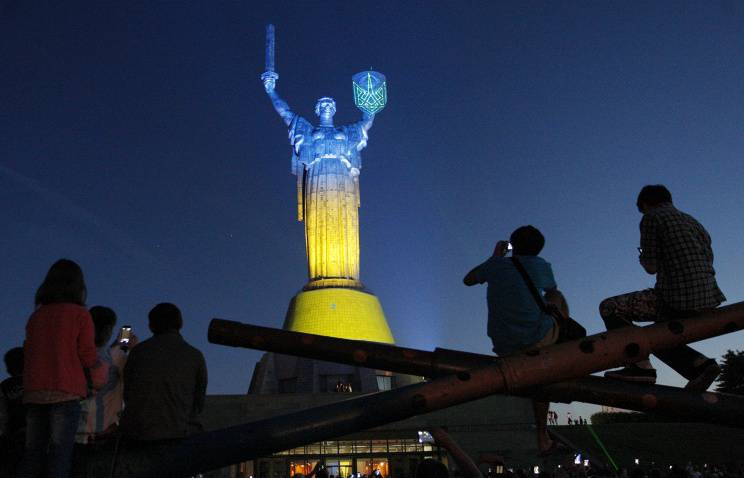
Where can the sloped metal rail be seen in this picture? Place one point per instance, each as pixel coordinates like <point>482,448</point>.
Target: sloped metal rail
<point>664,400</point>
<point>561,362</point>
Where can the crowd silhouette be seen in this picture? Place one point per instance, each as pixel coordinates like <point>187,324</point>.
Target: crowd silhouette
<point>65,395</point>
<point>67,386</point>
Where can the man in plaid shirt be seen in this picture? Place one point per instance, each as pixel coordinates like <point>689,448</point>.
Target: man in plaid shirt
<point>676,248</point>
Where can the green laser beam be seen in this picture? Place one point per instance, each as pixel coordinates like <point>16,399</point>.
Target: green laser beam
<point>602,447</point>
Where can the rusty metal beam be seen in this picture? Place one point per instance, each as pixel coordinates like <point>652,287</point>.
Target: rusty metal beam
<point>668,401</point>
<point>673,402</point>
<point>553,364</point>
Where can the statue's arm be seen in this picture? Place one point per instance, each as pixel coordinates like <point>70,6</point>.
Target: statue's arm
<point>281,107</point>
<point>367,121</point>
<point>362,127</point>
<point>269,81</point>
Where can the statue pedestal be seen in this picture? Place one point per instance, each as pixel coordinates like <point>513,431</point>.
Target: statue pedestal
<point>345,313</point>
<point>336,312</point>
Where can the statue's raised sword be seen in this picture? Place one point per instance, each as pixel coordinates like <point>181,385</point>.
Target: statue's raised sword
<point>269,63</point>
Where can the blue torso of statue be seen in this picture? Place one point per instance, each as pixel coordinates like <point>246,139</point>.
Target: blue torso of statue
<point>326,161</point>
<point>313,144</point>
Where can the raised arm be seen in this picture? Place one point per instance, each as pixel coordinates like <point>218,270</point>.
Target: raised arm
<point>362,126</point>
<point>367,121</point>
<point>474,277</point>
<point>471,278</point>
<point>270,76</point>
<point>281,106</point>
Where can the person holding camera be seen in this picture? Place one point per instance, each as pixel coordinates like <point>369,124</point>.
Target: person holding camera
<point>516,322</point>
<point>100,411</point>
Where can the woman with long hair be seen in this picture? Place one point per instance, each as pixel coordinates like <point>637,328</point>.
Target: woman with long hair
<point>59,346</point>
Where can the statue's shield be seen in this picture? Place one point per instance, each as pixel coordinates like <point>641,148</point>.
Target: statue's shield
<point>370,91</point>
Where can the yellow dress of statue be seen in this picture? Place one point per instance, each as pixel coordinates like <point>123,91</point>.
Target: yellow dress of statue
<point>326,162</point>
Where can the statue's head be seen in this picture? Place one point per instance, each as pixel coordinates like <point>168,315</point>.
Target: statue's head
<point>325,107</point>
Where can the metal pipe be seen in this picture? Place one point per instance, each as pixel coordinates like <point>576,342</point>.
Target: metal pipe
<point>670,401</point>
<point>684,405</point>
<point>215,449</point>
<point>559,362</point>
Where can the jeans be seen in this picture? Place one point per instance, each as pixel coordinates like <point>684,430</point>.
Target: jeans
<point>50,437</point>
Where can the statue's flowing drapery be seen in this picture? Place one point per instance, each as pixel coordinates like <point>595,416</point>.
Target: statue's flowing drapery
<point>326,162</point>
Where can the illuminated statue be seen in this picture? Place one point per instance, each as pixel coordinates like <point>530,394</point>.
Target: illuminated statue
<point>326,161</point>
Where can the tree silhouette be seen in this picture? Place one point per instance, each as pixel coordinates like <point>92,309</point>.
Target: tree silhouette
<point>731,379</point>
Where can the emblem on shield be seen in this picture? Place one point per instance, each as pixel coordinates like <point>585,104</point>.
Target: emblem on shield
<point>370,91</point>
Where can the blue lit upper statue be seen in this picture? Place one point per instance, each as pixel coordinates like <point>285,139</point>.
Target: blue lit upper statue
<point>326,161</point>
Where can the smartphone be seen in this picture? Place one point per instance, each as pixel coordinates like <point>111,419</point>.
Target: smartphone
<point>509,247</point>
<point>425,437</point>
<point>125,335</point>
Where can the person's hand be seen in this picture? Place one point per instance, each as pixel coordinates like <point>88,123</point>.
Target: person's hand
<point>501,248</point>
<point>269,81</point>
<point>269,84</point>
<point>133,340</point>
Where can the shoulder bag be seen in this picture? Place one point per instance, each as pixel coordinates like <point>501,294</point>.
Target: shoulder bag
<point>568,328</point>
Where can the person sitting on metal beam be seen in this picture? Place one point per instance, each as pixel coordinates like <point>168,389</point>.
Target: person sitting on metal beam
<point>677,249</point>
<point>515,321</point>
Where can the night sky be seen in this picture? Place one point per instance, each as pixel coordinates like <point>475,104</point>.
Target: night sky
<point>138,141</point>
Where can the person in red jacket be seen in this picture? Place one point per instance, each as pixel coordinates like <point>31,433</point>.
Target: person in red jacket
<point>59,346</point>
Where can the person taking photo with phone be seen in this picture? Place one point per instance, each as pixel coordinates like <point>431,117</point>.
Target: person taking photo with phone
<point>516,322</point>
<point>100,413</point>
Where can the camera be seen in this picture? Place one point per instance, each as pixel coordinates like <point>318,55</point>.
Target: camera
<point>125,336</point>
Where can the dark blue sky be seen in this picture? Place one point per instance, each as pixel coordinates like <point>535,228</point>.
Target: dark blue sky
<point>137,140</point>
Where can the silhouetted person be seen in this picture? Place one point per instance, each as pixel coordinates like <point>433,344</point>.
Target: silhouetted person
<point>515,321</point>
<point>677,249</point>
<point>12,413</point>
<point>59,345</point>
<point>100,412</point>
<point>166,382</point>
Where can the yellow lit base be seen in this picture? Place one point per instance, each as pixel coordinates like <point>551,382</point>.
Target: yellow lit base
<point>335,312</point>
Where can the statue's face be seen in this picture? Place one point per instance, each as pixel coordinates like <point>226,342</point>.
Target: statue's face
<point>325,107</point>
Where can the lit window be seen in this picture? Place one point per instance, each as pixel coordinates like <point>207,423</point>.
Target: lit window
<point>384,382</point>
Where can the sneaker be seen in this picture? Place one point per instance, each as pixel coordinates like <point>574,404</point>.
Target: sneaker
<point>708,372</point>
<point>633,373</point>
